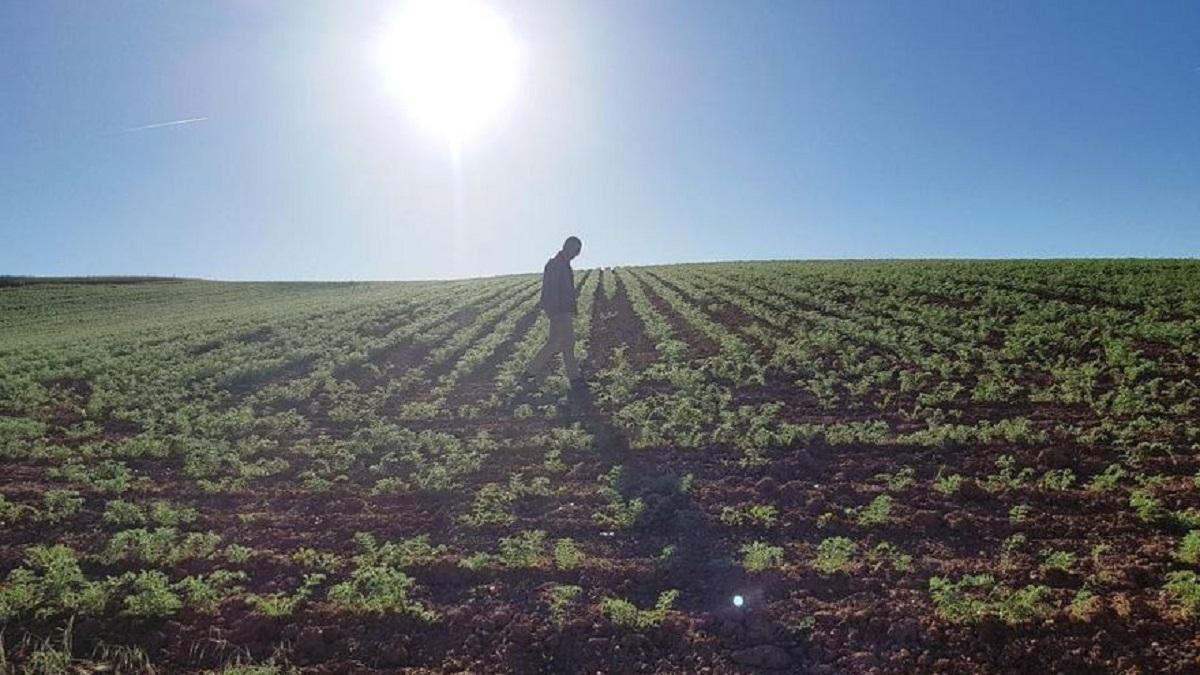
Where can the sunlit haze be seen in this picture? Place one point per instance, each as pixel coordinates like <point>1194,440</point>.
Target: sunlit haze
<point>385,139</point>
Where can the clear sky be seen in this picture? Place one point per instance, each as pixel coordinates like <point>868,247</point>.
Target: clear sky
<point>657,131</point>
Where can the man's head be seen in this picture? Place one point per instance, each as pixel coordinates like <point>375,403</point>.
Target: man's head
<point>572,246</point>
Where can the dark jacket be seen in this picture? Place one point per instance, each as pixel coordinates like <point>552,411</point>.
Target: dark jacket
<point>558,287</point>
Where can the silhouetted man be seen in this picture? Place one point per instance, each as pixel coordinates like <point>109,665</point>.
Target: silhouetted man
<point>558,302</point>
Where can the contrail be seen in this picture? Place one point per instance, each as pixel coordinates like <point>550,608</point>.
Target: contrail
<point>164,124</point>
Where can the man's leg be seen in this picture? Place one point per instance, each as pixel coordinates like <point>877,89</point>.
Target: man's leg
<point>538,363</point>
<point>567,335</point>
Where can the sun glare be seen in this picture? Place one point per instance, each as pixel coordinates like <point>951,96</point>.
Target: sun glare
<point>452,63</point>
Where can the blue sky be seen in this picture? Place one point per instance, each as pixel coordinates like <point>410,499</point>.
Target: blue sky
<point>657,131</point>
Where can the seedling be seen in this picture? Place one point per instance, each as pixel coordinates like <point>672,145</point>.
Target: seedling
<point>835,555</point>
<point>947,484</point>
<point>1184,588</point>
<point>560,598</point>
<point>760,556</point>
<point>625,614</point>
<point>1189,548</point>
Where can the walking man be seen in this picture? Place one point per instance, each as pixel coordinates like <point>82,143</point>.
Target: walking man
<point>558,302</point>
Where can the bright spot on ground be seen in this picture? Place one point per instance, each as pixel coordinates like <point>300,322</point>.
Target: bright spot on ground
<point>452,63</point>
<point>738,601</point>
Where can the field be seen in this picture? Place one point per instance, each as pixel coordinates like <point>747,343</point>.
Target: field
<point>826,467</point>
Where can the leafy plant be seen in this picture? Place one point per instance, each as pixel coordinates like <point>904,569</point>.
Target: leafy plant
<point>322,561</point>
<point>625,614</point>
<point>207,592</point>
<point>947,484</point>
<point>1146,505</point>
<point>759,556</point>
<point>151,596</point>
<point>901,479</point>
<point>1184,588</point>
<point>1019,513</point>
<point>560,597</point>
<point>1007,476</point>
<point>762,515</point>
<point>379,589</point>
<point>877,513</point>
<point>525,550</point>
<point>285,604</point>
<point>404,553</point>
<point>1063,561</point>
<point>237,553</point>
<point>835,555</point>
<point>889,554</point>
<point>1189,548</point>
<point>60,505</point>
<point>620,512</point>
<point>50,583</point>
<point>1084,605</point>
<point>1108,479</point>
<point>1057,479</point>
<point>567,555</point>
<point>975,596</point>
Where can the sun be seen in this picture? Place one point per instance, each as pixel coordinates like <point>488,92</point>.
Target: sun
<point>453,64</point>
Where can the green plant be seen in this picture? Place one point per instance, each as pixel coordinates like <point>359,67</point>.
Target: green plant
<point>160,546</point>
<point>207,592</point>
<point>1007,476</point>
<point>1063,561</point>
<point>947,484</point>
<point>59,505</point>
<point>521,551</point>
<point>1188,518</point>
<point>285,604</point>
<point>151,595</point>
<point>899,480</point>
<point>1108,479</point>
<point>762,515</point>
<point>567,555</point>
<point>886,553</point>
<point>322,561</point>
<point>624,613</point>
<point>1146,505</point>
<point>560,597</point>
<point>493,502</point>
<point>759,556</point>
<point>877,513</point>
<point>620,512</point>
<point>50,583</point>
<point>1009,548</point>
<point>1184,588</point>
<point>1019,513</point>
<point>1189,548</point>
<point>1057,479</point>
<point>123,514</point>
<point>238,554</point>
<point>835,555</point>
<point>975,596</point>
<point>1084,605</point>
<point>379,589</point>
<point>404,553</point>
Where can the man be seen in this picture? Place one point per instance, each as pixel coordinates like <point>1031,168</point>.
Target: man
<point>558,302</point>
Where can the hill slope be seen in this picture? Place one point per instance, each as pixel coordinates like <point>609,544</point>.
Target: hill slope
<point>895,466</point>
